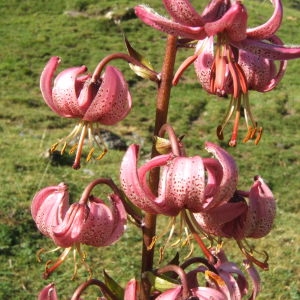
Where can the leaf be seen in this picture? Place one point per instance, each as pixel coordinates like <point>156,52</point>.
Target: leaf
<point>112,285</point>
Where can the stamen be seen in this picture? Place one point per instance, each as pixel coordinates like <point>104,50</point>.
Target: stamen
<point>249,255</point>
<point>55,265</point>
<point>102,154</point>
<point>73,148</point>
<point>214,278</point>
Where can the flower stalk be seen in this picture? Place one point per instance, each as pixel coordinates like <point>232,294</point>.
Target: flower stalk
<point>162,106</point>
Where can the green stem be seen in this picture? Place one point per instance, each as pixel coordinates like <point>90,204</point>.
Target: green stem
<point>162,106</point>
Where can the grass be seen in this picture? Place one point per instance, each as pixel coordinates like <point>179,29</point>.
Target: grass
<point>79,32</point>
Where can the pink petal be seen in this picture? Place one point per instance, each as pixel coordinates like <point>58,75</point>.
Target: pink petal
<point>183,12</point>
<point>262,210</point>
<point>68,232</point>
<point>204,62</point>
<point>207,293</point>
<point>268,50</point>
<point>223,220</point>
<point>183,183</point>
<point>49,207</point>
<point>234,22</point>
<point>213,10</point>
<point>65,92</point>
<point>173,293</point>
<point>48,293</point>
<point>254,275</point>
<point>46,82</point>
<point>230,175</point>
<point>131,290</point>
<point>132,183</point>
<point>112,102</point>
<point>104,225</point>
<point>270,27</point>
<point>151,18</point>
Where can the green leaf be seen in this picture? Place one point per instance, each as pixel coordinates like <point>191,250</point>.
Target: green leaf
<point>117,290</point>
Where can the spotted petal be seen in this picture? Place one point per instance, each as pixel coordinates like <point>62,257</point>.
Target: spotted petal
<point>270,27</point>
<point>112,102</point>
<point>49,206</point>
<point>151,18</point>
<point>183,12</point>
<point>262,210</point>
<point>230,175</point>
<point>104,225</point>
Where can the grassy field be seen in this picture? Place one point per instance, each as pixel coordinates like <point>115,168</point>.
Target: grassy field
<point>80,32</point>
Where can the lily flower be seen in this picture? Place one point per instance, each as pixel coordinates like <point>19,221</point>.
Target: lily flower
<point>89,221</point>
<point>240,219</point>
<point>255,220</point>
<point>93,99</point>
<point>192,183</point>
<point>242,59</point>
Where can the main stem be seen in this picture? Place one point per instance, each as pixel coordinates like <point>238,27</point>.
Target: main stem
<point>162,106</point>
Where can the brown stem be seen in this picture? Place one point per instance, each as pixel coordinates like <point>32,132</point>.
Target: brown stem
<point>162,106</point>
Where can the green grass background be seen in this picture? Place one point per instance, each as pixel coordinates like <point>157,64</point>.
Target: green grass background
<point>79,32</point>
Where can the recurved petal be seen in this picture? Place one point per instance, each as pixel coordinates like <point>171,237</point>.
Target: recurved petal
<point>268,50</point>
<point>134,183</point>
<point>270,27</point>
<point>46,82</point>
<point>153,19</point>
<point>49,206</point>
<point>183,12</point>
<point>65,92</point>
<point>230,175</point>
<point>234,22</point>
<point>68,232</point>
<point>214,10</point>
<point>104,225</point>
<point>48,293</point>
<point>112,103</point>
<point>262,210</point>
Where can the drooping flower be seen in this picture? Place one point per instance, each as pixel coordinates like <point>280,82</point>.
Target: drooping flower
<point>241,60</point>
<point>255,220</point>
<point>240,219</point>
<point>192,183</point>
<point>93,99</point>
<point>89,221</point>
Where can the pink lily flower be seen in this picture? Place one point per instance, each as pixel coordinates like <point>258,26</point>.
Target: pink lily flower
<point>193,183</point>
<point>89,221</point>
<point>239,219</point>
<point>242,60</point>
<point>92,99</point>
